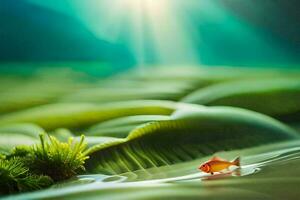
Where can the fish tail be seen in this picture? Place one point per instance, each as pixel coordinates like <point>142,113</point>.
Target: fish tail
<point>236,161</point>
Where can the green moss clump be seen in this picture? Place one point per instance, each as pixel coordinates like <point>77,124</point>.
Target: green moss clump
<point>19,152</point>
<point>56,159</point>
<point>15,177</point>
<point>38,166</point>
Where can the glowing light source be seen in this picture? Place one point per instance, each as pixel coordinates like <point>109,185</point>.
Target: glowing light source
<point>167,31</point>
<point>154,6</point>
<point>155,23</point>
<point>151,29</point>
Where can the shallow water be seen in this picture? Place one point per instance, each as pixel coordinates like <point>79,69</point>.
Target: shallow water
<point>254,161</point>
<point>255,164</point>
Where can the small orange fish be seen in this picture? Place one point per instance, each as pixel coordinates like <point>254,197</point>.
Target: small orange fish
<point>217,164</point>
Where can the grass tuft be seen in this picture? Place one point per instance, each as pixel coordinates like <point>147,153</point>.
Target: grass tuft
<point>15,177</point>
<point>59,160</point>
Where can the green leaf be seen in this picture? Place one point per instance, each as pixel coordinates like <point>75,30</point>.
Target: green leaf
<point>96,140</point>
<point>79,115</point>
<point>279,98</point>
<point>18,134</point>
<point>62,134</point>
<point>163,90</point>
<point>203,75</point>
<point>19,93</point>
<point>192,133</point>
<point>27,129</point>
<point>121,127</point>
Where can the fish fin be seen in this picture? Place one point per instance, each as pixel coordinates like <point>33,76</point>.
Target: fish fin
<point>216,158</point>
<point>236,161</point>
<point>237,172</point>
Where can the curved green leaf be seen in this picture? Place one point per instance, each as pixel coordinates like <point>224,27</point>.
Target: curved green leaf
<point>279,98</point>
<point>19,92</point>
<point>165,90</point>
<point>18,134</point>
<point>97,140</point>
<point>192,133</point>
<point>121,127</point>
<point>78,115</point>
<point>31,130</point>
<point>62,134</point>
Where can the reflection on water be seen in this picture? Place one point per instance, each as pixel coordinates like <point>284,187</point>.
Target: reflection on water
<point>254,164</point>
<point>260,160</point>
